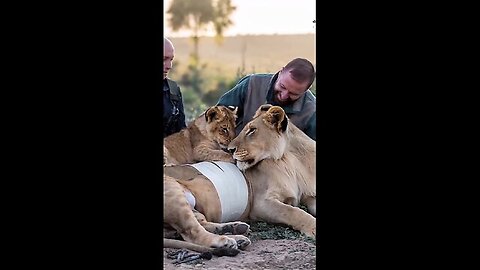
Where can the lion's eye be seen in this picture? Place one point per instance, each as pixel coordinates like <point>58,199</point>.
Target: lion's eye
<point>225,130</point>
<point>251,131</point>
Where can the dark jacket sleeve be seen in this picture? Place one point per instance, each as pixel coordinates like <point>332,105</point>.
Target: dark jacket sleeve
<point>311,129</point>
<point>236,95</point>
<point>181,123</point>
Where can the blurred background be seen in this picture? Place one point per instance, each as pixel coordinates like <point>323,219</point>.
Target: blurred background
<point>217,42</point>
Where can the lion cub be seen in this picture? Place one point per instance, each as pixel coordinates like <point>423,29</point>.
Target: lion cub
<point>203,139</point>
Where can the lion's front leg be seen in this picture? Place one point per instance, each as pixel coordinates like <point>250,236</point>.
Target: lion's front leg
<point>207,151</point>
<point>274,211</point>
<point>178,214</point>
<point>165,154</point>
<point>311,204</point>
<point>167,159</point>
<point>234,227</point>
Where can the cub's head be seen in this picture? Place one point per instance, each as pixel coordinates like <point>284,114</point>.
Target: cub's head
<point>221,124</point>
<point>265,137</point>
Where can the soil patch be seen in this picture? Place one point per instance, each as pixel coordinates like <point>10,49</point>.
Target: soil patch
<point>273,247</point>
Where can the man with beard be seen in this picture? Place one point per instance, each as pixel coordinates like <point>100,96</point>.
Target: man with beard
<point>288,88</point>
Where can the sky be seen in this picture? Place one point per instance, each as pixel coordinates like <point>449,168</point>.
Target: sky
<point>255,17</point>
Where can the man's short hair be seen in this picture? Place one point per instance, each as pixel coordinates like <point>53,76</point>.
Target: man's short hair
<point>302,70</point>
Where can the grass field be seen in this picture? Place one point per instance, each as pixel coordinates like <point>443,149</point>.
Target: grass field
<point>235,57</point>
<point>256,53</point>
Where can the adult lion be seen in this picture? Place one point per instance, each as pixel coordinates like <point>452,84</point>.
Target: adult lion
<point>200,235</point>
<point>278,162</point>
<point>203,139</point>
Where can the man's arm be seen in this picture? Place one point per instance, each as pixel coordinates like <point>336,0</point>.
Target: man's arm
<point>311,129</point>
<point>181,123</point>
<point>236,95</point>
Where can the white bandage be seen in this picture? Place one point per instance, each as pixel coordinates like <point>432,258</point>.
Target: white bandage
<point>231,187</point>
<point>190,198</point>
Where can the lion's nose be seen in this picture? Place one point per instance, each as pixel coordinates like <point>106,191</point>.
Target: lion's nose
<point>232,150</point>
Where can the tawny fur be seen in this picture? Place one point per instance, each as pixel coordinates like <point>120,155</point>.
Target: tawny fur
<point>203,139</point>
<point>278,160</point>
<point>192,225</point>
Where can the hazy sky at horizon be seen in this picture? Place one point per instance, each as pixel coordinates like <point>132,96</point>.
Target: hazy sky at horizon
<point>262,17</point>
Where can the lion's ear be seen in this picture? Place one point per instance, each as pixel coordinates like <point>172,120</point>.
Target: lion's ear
<point>276,117</point>
<point>263,108</point>
<point>234,109</point>
<point>211,113</point>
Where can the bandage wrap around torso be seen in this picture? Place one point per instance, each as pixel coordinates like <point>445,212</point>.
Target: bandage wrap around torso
<point>231,187</point>
<point>190,198</point>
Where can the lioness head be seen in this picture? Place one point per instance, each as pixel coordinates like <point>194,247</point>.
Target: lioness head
<point>262,138</point>
<point>221,124</point>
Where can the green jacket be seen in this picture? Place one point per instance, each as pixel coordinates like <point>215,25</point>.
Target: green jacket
<point>257,89</point>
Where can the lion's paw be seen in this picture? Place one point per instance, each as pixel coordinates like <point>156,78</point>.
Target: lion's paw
<point>228,159</point>
<point>312,232</point>
<point>232,160</point>
<point>240,227</point>
<point>236,227</point>
<point>226,242</point>
<point>242,241</point>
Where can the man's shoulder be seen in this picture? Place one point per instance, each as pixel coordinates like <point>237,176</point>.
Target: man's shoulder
<point>254,76</point>
<point>261,75</point>
<point>174,88</point>
<point>171,82</point>
<point>258,79</point>
<point>310,96</point>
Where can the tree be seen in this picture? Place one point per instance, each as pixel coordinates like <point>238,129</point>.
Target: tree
<point>197,16</point>
<point>222,18</point>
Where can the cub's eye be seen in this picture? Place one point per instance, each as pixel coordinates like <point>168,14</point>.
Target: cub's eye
<point>251,131</point>
<point>225,130</point>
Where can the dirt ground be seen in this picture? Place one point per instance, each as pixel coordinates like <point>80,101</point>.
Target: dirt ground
<point>261,254</point>
<point>273,247</point>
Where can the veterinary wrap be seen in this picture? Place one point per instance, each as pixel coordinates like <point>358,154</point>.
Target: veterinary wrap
<point>231,187</point>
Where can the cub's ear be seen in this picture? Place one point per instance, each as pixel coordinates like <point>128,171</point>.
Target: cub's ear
<point>234,109</point>
<point>265,107</point>
<point>276,118</point>
<point>210,113</point>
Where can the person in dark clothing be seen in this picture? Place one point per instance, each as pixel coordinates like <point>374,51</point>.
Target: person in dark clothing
<point>173,112</point>
<point>288,88</point>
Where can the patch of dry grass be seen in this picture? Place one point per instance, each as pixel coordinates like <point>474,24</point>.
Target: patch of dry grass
<point>260,230</point>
